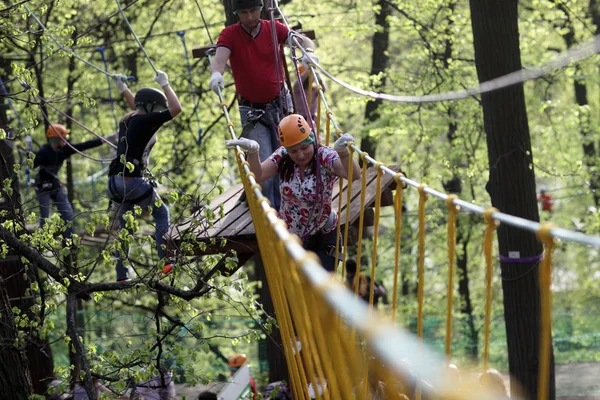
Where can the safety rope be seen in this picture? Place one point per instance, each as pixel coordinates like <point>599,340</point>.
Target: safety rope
<point>375,233</point>
<point>135,36</point>
<point>545,278</point>
<point>181,35</point>
<point>488,242</point>
<point>452,211</point>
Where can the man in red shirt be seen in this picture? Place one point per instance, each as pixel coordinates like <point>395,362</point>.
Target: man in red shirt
<point>259,84</point>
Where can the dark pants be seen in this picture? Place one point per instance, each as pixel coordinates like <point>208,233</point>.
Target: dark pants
<point>323,245</point>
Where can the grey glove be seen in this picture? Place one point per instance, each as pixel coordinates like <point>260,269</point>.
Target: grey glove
<point>216,80</point>
<point>249,145</point>
<point>341,145</point>
<point>306,60</point>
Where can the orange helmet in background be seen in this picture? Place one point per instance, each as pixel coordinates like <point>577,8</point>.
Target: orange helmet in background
<point>237,361</point>
<point>294,129</point>
<point>57,130</point>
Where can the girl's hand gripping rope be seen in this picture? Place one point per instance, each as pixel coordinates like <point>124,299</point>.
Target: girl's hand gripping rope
<point>250,146</point>
<point>341,145</point>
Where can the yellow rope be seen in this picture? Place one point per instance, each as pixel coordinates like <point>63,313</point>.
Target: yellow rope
<point>361,220</point>
<point>398,215</point>
<point>422,199</point>
<point>338,231</point>
<point>348,204</point>
<point>488,241</point>
<point>375,232</point>
<point>310,90</point>
<point>452,211</point>
<point>545,236</point>
<point>328,113</point>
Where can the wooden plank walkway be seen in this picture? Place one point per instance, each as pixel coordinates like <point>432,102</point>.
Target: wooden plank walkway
<point>235,222</point>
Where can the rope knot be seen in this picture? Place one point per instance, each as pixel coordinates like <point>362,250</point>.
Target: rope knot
<point>398,178</point>
<point>364,156</point>
<point>450,202</point>
<point>422,193</point>
<point>487,216</point>
<point>544,234</point>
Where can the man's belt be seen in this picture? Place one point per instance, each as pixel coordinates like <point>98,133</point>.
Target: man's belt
<point>242,101</point>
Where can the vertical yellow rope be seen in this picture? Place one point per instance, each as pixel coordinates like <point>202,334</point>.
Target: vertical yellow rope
<point>398,214</point>
<point>422,199</point>
<point>318,121</point>
<point>361,223</point>
<point>545,236</point>
<point>348,203</point>
<point>375,233</point>
<point>338,229</point>
<point>310,91</point>
<point>488,241</point>
<point>328,114</point>
<point>452,211</point>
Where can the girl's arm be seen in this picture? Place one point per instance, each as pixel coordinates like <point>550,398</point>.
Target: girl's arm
<point>340,167</point>
<point>163,80</point>
<point>263,171</point>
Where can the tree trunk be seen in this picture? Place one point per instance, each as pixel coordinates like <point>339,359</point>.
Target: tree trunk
<point>39,354</point>
<point>379,63</point>
<point>15,382</point>
<point>511,186</point>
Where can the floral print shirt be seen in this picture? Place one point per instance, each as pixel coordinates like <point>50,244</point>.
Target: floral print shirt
<point>299,197</point>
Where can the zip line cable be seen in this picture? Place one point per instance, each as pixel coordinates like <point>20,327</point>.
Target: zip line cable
<point>135,36</point>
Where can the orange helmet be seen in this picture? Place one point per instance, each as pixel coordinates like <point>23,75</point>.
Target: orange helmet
<point>57,130</point>
<point>294,129</point>
<point>237,361</point>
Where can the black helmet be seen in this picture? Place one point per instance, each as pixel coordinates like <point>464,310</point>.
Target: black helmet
<point>244,4</point>
<point>147,98</point>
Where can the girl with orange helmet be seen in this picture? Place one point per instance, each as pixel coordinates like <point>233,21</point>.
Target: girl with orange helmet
<point>307,173</point>
<point>50,158</point>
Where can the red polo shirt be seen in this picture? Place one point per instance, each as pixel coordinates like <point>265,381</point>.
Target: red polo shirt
<point>252,60</point>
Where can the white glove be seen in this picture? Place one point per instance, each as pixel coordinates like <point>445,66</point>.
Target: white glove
<point>341,145</point>
<point>161,78</point>
<point>249,145</point>
<point>216,80</point>
<point>119,80</point>
<point>305,59</point>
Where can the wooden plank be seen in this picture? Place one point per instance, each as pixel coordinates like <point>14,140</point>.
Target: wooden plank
<point>229,199</point>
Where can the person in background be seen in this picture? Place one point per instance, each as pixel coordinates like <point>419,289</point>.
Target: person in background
<point>49,159</point>
<point>235,363</point>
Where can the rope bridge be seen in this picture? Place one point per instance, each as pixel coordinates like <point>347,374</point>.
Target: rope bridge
<point>335,345</point>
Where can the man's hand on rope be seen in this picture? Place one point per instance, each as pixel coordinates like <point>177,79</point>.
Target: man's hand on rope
<point>306,61</point>
<point>341,145</point>
<point>119,80</point>
<point>249,145</point>
<point>161,78</point>
<point>216,80</point>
